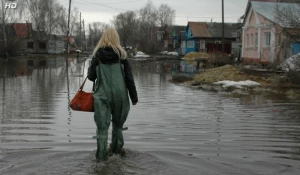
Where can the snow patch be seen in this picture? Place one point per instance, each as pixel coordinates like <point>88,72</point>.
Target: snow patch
<point>173,53</point>
<point>291,63</point>
<point>164,52</point>
<point>237,84</point>
<point>140,54</point>
<point>169,53</point>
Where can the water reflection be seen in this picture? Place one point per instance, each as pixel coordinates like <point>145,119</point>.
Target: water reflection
<point>31,95</point>
<point>169,120</point>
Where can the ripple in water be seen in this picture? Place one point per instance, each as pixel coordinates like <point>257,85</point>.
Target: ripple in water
<point>177,130</point>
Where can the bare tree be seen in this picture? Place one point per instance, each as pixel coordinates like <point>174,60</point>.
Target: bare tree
<point>48,17</point>
<point>125,23</point>
<point>288,17</point>
<point>166,15</point>
<point>96,30</point>
<point>8,16</point>
<point>62,22</point>
<point>148,21</point>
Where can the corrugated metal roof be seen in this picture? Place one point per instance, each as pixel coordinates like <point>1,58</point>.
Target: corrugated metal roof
<point>199,29</point>
<point>213,30</point>
<point>268,9</point>
<point>230,30</point>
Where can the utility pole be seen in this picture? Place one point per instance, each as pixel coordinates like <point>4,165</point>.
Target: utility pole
<point>80,34</point>
<point>84,36</point>
<point>222,26</point>
<point>3,29</point>
<point>68,30</point>
<point>90,34</point>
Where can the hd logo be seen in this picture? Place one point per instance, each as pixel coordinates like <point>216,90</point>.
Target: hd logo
<point>10,4</point>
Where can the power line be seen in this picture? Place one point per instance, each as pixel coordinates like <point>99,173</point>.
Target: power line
<point>236,4</point>
<point>225,7</point>
<point>123,2</point>
<point>206,17</point>
<point>89,2</point>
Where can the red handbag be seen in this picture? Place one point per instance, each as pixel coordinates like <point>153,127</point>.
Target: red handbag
<point>83,101</point>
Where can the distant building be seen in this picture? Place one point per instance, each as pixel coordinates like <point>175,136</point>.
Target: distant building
<point>16,34</point>
<point>263,34</point>
<point>161,38</point>
<point>178,36</point>
<point>207,37</point>
<point>23,39</point>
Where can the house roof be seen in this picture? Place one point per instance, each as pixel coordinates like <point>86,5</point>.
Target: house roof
<point>215,29</point>
<point>199,29</point>
<point>268,9</point>
<point>177,29</point>
<point>22,30</point>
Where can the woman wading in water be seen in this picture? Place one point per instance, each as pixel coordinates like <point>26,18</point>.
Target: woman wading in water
<point>113,75</point>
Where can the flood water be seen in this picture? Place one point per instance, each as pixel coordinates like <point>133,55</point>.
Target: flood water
<point>172,130</point>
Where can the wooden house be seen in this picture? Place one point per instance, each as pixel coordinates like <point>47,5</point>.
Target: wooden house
<point>207,37</point>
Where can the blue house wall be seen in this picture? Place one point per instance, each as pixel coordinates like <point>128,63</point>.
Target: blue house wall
<point>295,48</point>
<point>189,38</point>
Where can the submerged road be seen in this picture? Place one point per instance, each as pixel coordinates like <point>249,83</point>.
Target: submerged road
<point>173,129</point>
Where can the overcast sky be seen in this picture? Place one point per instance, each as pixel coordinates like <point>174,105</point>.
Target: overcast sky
<point>186,10</point>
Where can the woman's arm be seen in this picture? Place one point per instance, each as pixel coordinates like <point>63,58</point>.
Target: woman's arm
<point>130,82</point>
<point>92,74</point>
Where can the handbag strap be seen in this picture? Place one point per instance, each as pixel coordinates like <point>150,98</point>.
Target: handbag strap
<point>81,87</point>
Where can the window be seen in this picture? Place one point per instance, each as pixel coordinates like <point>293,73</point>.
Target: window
<point>267,38</point>
<point>247,40</point>
<point>251,40</point>
<point>202,44</point>
<point>30,45</point>
<point>183,44</point>
<point>42,45</point>
<point>279,40</point>
<point>190,44</point>
<point>256,39</point>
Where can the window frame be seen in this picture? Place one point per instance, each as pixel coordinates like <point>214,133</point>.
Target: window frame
<point>190,46</point>
<point>247,40</point>
<point>42,45</point>
<point>29,43</point>
<point>267,39</point>
<point>202,44</point>
<point>256,39</point>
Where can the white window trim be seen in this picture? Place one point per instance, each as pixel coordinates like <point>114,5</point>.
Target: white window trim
<point>187,44</point>
<point>202,42</point>
<point>256,39</point>
<point>265,41</point>
<point>247,40</point>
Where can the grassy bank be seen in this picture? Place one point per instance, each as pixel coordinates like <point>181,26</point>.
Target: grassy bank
<point>267,83</point>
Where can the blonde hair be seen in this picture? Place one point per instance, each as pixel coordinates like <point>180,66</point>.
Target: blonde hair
<point>110,38</point>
